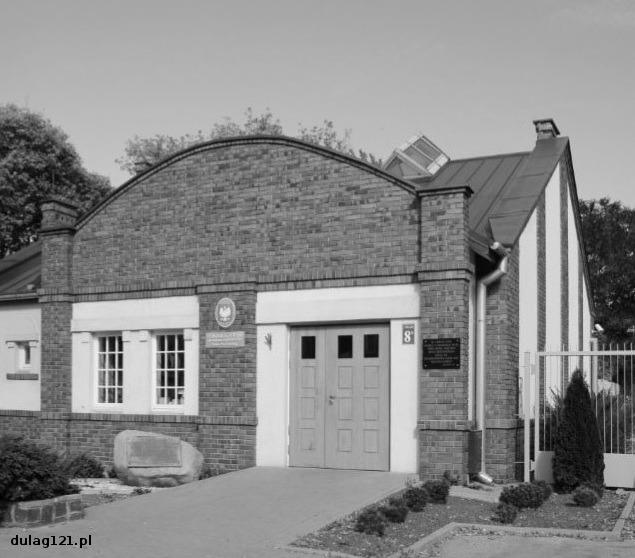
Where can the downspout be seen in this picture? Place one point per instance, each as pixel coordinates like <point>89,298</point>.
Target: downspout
<point>481,298</point>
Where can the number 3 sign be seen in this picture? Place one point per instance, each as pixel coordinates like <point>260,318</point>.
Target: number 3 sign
<point>408,334</point>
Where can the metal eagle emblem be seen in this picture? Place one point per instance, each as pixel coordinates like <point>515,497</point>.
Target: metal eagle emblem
<point>225,312</point>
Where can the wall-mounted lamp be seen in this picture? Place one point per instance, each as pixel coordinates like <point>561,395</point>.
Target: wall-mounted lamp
<point>268,340</point>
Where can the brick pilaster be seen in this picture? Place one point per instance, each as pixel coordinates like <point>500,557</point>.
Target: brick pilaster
<point>444,298</point>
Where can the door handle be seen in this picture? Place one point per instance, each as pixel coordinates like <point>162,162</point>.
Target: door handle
<point>331,399</point>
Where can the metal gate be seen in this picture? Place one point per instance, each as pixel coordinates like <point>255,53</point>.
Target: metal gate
<point>610,374</point>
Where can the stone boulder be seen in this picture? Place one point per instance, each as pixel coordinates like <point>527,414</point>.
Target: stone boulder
<point>149,459</point>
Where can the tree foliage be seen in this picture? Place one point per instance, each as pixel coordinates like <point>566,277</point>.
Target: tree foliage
<point>141,153</point>
<point>608,230</point>
<point>36,162</point>
<point>578,454</point>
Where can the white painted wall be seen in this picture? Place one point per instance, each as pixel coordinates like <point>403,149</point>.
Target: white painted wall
<point>586,321</point>
<point>338,304</point>
<point>137,321</point>
<point>19,323</point>
<point>528,296</point>
<point>404,397</point>
<point>272,396</point>
<point>574,270</point>
<point>553,266</point>
<point>276,310</point>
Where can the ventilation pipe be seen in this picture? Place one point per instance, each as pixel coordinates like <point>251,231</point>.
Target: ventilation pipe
<point>481,298</point>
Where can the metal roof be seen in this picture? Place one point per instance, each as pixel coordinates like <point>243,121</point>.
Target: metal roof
<point>506,189</point>
<point>20,273</point>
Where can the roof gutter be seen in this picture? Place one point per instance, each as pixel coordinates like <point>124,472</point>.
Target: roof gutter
<point>481,298</point>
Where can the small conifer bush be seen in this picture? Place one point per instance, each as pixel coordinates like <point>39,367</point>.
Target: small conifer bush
<point>525,495</point>
<point>578,454</point>
<point>505,513</point>
<point>585,496</point>
<point>395,510</point>
<point>438,490</point>
<point>371,522</point>
<point>416,498</point>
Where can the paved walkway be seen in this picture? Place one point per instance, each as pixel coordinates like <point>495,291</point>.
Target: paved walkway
<point>497,546</point>
<point>249,513</point>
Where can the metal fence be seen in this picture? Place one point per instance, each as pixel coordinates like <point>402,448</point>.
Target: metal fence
<point>610,374</point>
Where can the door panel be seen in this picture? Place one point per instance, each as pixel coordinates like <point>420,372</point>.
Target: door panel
<point>339,389</point>
<point>357,394</point>
<point>306,443</point>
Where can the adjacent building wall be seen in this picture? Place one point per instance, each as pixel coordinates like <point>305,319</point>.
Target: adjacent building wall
<point>20,381</point>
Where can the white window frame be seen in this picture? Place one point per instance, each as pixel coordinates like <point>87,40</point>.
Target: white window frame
<point>22,347</point>
<point>172,408</point>
<point>101,406</point>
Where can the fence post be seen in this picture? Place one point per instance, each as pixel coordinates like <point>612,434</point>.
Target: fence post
<point>526,415</point>
<point>535,367</point>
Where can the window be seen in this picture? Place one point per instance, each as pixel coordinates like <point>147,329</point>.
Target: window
<point>170,369</point>
<point>344,346</point>
<point>24,355</point>
<point>110,369</point>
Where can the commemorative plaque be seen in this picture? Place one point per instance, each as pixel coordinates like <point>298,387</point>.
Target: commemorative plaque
<point>152,451</point>
<point>442,354</point>
<point>224,339</point>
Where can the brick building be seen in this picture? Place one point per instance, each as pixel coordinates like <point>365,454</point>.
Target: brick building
<point>277,303</point>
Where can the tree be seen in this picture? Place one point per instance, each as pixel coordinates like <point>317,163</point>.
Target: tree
<point>608,230</point>
<point>142,153</point>
<point>578,455</point>
<point>36,162</point>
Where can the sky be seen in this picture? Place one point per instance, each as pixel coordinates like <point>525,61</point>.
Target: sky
<point>471,75</point>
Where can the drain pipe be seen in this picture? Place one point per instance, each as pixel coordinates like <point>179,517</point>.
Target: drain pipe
<point>481,298</point>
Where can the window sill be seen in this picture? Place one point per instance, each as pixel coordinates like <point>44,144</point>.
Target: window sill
<point>23,376</point>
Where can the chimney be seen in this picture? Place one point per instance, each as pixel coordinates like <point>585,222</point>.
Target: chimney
<point>58,214</point>
<point>546,128</point>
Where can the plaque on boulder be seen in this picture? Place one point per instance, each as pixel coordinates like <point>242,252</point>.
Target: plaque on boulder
<point>152,451</point>
<point>150,459</point>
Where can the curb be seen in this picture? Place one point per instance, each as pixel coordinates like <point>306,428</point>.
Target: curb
<point>626,512</point>
<point>453,528</point>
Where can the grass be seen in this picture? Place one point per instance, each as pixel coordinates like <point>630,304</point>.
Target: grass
<point>557,512</point>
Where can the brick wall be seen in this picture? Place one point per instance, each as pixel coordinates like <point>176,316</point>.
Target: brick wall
<point>444,298</point>
<point>501,362</point>
<point>225,220</point>
<point>256,208</point>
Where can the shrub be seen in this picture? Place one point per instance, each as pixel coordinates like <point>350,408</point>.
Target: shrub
<point>525,495</point>
<point>30,472</point>
<point>585,496</point>
<point>450,477</point>
<point>83,466</point>
<point>416,498</point>
<point>395,510</point>
<point>505,513</point>
<point>371,522</point>
<point>597,488</point>
<point>547,491</point>
<point>438,491</point>
<point>578,453</point>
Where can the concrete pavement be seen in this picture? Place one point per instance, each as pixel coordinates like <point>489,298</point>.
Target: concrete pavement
<point>246,514</point>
